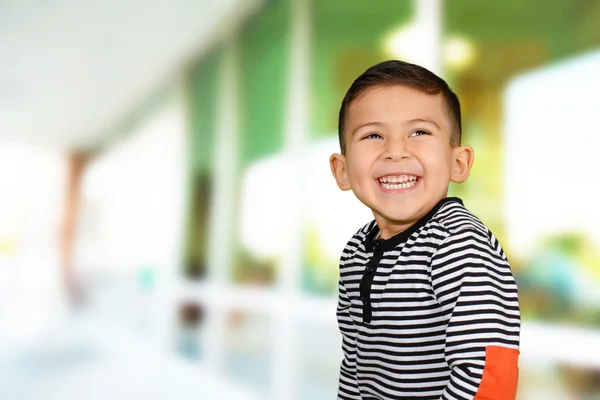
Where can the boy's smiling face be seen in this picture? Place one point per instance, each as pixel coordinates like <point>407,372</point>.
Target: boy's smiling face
<point>399,160</point>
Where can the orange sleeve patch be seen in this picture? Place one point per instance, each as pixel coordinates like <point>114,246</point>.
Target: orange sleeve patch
<point>500,374</point>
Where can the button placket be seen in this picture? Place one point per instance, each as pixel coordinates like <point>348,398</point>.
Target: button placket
<point>367,281</point>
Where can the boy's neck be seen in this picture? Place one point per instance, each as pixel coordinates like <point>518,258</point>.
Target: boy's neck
<point>388,230</point>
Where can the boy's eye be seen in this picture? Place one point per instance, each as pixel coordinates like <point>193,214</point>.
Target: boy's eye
<point>420,132</point>
<point>373,136</point>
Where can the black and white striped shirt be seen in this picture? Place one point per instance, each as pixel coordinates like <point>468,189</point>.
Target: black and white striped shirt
<point>436,299</point>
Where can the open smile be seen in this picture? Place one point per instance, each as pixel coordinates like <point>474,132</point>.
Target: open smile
<point>398,183</point>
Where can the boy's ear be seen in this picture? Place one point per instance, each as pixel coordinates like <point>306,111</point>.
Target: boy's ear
<point>462,162</point>
<point>337,162</point>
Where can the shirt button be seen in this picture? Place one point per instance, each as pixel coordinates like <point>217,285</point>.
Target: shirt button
<point>376,246</point>
<point>370,268</point>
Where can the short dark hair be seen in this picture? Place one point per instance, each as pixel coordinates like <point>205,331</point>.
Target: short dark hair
<point>394,72</point>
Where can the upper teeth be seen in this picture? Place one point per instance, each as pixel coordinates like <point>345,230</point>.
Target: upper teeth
<point>399,178</point>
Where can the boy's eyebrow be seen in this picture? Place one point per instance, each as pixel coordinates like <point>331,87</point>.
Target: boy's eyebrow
<point>430,121</point>
<point>374,123</point>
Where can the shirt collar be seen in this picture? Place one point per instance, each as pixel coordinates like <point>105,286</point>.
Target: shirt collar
<point>372,244</point>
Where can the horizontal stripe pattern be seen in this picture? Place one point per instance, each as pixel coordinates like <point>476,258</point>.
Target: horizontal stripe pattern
<point>439,298</point>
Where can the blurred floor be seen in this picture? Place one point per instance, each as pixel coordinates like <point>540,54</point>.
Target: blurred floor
<point>85,354</point>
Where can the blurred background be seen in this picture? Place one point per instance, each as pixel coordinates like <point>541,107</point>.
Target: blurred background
<point>169,228</point>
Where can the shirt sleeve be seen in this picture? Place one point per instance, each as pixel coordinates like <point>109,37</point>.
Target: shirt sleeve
<point>474,285</point>
<point>348,385</point>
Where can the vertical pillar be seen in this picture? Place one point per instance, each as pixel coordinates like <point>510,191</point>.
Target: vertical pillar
<point>223,195</point>
<point>75,166</point>
<point>296,134</point>
<point>428,17</point>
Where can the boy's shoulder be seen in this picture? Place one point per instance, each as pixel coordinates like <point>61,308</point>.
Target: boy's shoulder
<point>458,224</point>
<point>453,217</point>
<point>361,235</point>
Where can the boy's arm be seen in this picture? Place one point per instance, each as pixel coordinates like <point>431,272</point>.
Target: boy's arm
<point>472,281</point>
<point>348,385</point>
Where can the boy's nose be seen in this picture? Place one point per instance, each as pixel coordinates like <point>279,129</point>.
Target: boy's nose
<point>396,150</point>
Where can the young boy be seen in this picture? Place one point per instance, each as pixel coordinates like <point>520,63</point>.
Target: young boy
<point>428,306</point>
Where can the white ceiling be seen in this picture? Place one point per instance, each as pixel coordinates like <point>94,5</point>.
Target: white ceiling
<point>72,69</point>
